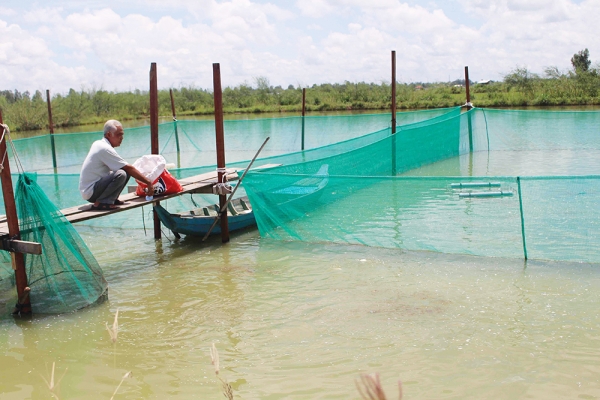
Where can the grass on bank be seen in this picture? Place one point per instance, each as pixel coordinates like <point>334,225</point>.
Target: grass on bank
<point>23,111</point>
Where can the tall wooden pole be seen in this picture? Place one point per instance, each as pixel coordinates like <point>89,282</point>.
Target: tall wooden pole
<point>18,260</point>
<point>219,130</point>
<point>469,105</point>
<point>303,114</point>
<point>175,125</point>
<point>394,113</point>
<point>154,132</point>
<point>393,91</point>
<point>51,126</point>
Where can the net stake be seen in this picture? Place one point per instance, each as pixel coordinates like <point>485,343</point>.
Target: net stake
<point>51,128</point>
<point>154,133</point>
<point>13,221</point>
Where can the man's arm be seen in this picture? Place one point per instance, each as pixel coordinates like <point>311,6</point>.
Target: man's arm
<point>132,171</point>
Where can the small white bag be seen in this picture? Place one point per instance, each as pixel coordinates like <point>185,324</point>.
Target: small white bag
<point>151,166</point>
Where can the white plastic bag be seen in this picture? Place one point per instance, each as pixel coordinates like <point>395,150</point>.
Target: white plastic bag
<point>151,166</point>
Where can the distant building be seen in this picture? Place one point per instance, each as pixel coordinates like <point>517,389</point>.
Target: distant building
<point>484,82</point>
<point>419,87</point>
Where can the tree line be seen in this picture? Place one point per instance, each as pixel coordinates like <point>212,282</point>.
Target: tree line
<point>578,86</point>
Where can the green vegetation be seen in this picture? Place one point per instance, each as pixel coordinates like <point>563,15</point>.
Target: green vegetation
<point>520,87</point>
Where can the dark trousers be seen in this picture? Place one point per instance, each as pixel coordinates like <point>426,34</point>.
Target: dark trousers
<point>108,189</point>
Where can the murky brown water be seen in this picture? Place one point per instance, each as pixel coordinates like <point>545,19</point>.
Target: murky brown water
<point>302,321</point>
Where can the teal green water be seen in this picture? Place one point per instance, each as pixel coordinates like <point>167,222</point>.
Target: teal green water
<point>297,321</point>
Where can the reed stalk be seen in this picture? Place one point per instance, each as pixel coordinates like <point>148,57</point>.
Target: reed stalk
<point>127,375</point>
<point>225,386</point>
<point>54,387</point>
<point>113,331</point>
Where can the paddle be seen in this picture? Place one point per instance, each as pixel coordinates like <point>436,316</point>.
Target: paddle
<point>224,208</point>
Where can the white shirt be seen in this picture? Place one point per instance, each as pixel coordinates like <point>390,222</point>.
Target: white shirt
<point>100,161</point>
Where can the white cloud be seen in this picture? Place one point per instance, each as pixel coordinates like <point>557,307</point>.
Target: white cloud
<point>7,12</point>
<point>313,41</point>
<point>315,8</point>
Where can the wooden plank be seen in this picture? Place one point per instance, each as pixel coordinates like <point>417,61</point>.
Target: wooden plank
<point>84,213</point>
<point>203,184</point>
<point>22,246</point>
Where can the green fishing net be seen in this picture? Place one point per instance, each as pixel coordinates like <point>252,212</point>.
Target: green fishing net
<point>534,176</point>
<point>66,276</point>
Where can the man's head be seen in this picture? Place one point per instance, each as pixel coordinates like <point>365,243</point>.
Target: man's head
<point>113,132</point>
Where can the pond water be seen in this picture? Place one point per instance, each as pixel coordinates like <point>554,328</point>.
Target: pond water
<point>297,321</point>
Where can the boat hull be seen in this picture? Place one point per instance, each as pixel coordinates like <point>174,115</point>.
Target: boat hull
<point>199,225</point>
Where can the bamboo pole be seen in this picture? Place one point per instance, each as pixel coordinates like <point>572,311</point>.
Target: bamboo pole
<point>219,131</point>
<point>175,126</point>
<point>223,209</point>
<point>18,260</point>
<point>51,127</point>
<point>303,114</point>
<point>154,133</point>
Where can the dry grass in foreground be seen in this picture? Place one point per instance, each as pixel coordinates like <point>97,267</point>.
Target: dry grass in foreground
<point>369,387</point>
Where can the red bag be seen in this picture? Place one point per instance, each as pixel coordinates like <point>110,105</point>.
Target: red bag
<point>164,184</point>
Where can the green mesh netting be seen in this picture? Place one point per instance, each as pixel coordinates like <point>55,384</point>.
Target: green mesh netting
<point>197,151</point>
<point>383,190</point>
<point>411,190</point>
<point>66,276</point>
<point>196,139</point>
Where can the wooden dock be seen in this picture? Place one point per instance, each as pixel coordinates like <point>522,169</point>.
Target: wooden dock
<point>202,183</point>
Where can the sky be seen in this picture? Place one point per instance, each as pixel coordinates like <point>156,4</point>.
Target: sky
<point>109,44</point>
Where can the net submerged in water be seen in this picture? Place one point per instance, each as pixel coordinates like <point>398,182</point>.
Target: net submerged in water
<point>66,276</point>
<point>419,189</point>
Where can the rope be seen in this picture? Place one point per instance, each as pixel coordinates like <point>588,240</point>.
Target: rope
<point>221,186</point>
<point>6,135</point>
<point>144,222</point>
<point>4,130</point>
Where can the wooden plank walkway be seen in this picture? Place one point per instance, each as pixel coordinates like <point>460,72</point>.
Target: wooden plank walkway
<point>202,183</point>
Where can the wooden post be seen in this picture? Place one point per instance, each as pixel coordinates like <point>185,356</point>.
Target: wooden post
<point>18,260</point>
<point>219,130</point>
<point>303,114</point>
<point>394,113</point>
<point>175,126</point>
<point>393,91</point>
<point>154,133</point>
<point>51,126</point>
<point>469,107</point>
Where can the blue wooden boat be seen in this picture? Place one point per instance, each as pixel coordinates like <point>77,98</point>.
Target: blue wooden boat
<point>198,221</point>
